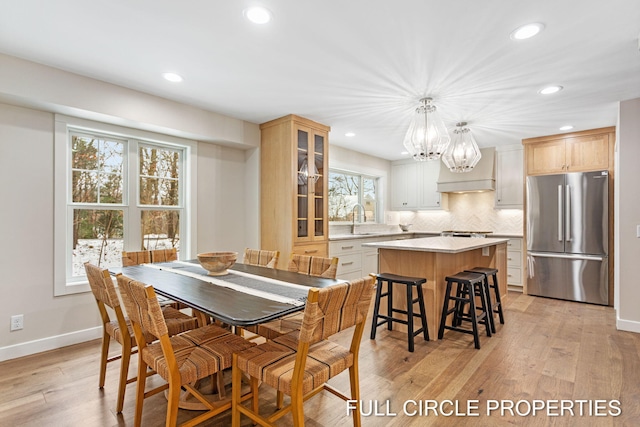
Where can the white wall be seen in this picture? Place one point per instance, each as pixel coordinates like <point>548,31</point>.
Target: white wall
<point>227,197</point>
<point>627,213</point>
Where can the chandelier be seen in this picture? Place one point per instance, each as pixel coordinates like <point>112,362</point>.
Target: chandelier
<point>427,137</point>
<point>463,153</point>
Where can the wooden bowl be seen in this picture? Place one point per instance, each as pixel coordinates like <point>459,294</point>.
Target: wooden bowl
<point>217,263</point>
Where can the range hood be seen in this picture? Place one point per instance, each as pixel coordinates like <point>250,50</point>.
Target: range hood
<point>481,178</point>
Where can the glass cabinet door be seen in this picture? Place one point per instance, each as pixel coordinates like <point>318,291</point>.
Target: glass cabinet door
<point>311,222</point>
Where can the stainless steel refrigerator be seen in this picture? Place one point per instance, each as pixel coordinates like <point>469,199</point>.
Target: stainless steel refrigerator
<point>567,236</point>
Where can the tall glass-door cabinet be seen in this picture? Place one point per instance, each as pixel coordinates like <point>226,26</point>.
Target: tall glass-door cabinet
<point>294,182</point>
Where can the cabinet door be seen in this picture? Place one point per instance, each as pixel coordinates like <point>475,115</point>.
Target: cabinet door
<point>404,181</point>
<point>509,178</point>
<point>430,171</point>
<point>546,157</point>
<point>311,185</point>
<point>587,153</point>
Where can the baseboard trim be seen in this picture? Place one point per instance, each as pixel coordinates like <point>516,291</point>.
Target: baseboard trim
<point>49,343</point>
<point>628,325</point>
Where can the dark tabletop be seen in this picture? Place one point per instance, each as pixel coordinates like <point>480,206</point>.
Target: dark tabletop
<point>225,304</point>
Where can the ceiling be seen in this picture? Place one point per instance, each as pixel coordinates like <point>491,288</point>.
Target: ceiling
<point>358,66</point>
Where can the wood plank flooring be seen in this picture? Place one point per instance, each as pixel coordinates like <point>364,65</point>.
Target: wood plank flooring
<point>547,351</point>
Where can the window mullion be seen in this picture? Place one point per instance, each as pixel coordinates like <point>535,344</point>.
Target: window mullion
<point>132,213</point>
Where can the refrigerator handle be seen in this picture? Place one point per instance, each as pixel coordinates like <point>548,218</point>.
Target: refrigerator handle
<point>560,231</point>
<point>567,210</point>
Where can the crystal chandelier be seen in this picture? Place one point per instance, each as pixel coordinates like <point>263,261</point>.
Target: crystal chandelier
<point>427,137</point>
<point>463,153</point>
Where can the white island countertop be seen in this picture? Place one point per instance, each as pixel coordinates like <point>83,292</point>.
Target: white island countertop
<point>443,244</point>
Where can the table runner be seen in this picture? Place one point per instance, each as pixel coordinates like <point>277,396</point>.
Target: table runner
<point>264,287</point>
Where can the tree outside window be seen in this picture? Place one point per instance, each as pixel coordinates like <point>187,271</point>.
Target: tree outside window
<point>348,189</point>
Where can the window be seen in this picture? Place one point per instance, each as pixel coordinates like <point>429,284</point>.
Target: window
<point>115,192</point>
<point>346,189</point>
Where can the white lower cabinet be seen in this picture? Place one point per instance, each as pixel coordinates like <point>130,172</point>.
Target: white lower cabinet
<point>514,263</point>
<point>356,261</point>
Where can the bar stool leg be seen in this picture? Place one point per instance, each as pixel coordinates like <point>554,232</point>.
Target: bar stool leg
<point>498,302</point>
<point>410,317</point>
<point>445,309</point>
<point>376,310</point>
<point>472,314</point>
<point>423,313</point>
<point>487,292</point>
<point>389,303</point>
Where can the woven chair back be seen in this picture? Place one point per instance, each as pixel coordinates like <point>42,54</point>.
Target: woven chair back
<point>135,258</point>
<point>164,255</point>
<point>142,306</point>
<point>101,285</point>
<point>314,266</point>
<point>335,308</point>
<point>262,258</point>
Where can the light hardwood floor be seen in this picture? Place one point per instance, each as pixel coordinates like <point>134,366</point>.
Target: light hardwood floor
<point>548,350</point>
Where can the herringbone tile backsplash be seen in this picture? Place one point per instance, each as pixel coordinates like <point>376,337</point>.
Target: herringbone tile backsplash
<point>467,211</point>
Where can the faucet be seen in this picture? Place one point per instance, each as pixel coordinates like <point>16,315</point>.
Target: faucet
<point>353,216</point>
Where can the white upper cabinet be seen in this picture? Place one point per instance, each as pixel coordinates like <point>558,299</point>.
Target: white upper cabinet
<point>510,177</point>
<point>414,186</point>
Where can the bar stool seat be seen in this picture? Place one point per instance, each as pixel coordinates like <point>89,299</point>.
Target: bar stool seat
<point>467,287</point>
<point>409,283</point>
<point>495,305</point>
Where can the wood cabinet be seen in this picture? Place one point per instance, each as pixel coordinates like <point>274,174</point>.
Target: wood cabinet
<point>509,177</point>
<point>575,152</point>
<point>414,186</point>
<point>294,182</point>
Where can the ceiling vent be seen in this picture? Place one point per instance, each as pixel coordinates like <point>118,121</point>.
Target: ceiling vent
<point>481,178</point>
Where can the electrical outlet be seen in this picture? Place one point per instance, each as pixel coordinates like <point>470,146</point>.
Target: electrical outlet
<point>17,322</point>
<point>485,251</point>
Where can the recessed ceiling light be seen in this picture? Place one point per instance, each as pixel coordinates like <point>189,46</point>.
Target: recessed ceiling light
<point>258,15</point>
<point>567,127</point>
<point>172,77</point>
<point>550,89</point>
<point>349,134</point>
<point>404,153</point>
<point>527,31</point>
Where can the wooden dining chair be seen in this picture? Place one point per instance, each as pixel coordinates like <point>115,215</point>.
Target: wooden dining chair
<point>300,363</point>
<point>311,266</point>
<point>262,258</point>
<point>120,329</point>
<point>181,360</point>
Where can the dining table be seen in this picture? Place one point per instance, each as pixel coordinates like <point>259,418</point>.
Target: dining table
<point>247,295</point>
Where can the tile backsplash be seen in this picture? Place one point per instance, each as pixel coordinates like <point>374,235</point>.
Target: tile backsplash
<point>467,211</point>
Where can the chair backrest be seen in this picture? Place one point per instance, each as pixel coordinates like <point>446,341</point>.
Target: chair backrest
<point>135,258</point>
<point>143,309</point>
<point>314,265</point>
<point>164,255</point>
<point>105,294</point>
<point>261,257</point>
<point>335,308</point>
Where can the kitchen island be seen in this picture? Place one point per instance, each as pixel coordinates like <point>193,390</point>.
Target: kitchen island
<point>434,258</point>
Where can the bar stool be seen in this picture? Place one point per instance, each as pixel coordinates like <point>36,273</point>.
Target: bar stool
<point>409,282</point>
<point>495,306</point>
<point>468,286</point>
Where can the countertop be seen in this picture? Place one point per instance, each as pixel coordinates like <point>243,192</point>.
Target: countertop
<point>438,244</point>
<point>410,234</point>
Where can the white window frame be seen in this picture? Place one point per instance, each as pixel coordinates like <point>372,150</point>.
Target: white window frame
<point>362,175</point>
<point>64,284</point>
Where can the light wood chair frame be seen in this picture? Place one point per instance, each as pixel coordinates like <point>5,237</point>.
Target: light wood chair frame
<point>266,258</point>
<point>297,398</point>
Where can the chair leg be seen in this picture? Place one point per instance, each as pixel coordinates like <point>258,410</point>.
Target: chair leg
<point>423,313</point>
<point>173,399</point>
<point>255,384</point>
<point>498,302</point>
<point>445,308</point>
<point>104,355</point>
<point>236,384</point>
<point>279,399</point>
<point>472,313</point>
<point>297,409</point>
<point>389,304</point>
<point>354,382</point>
<point>124,374</point>
<point>140,386</point>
